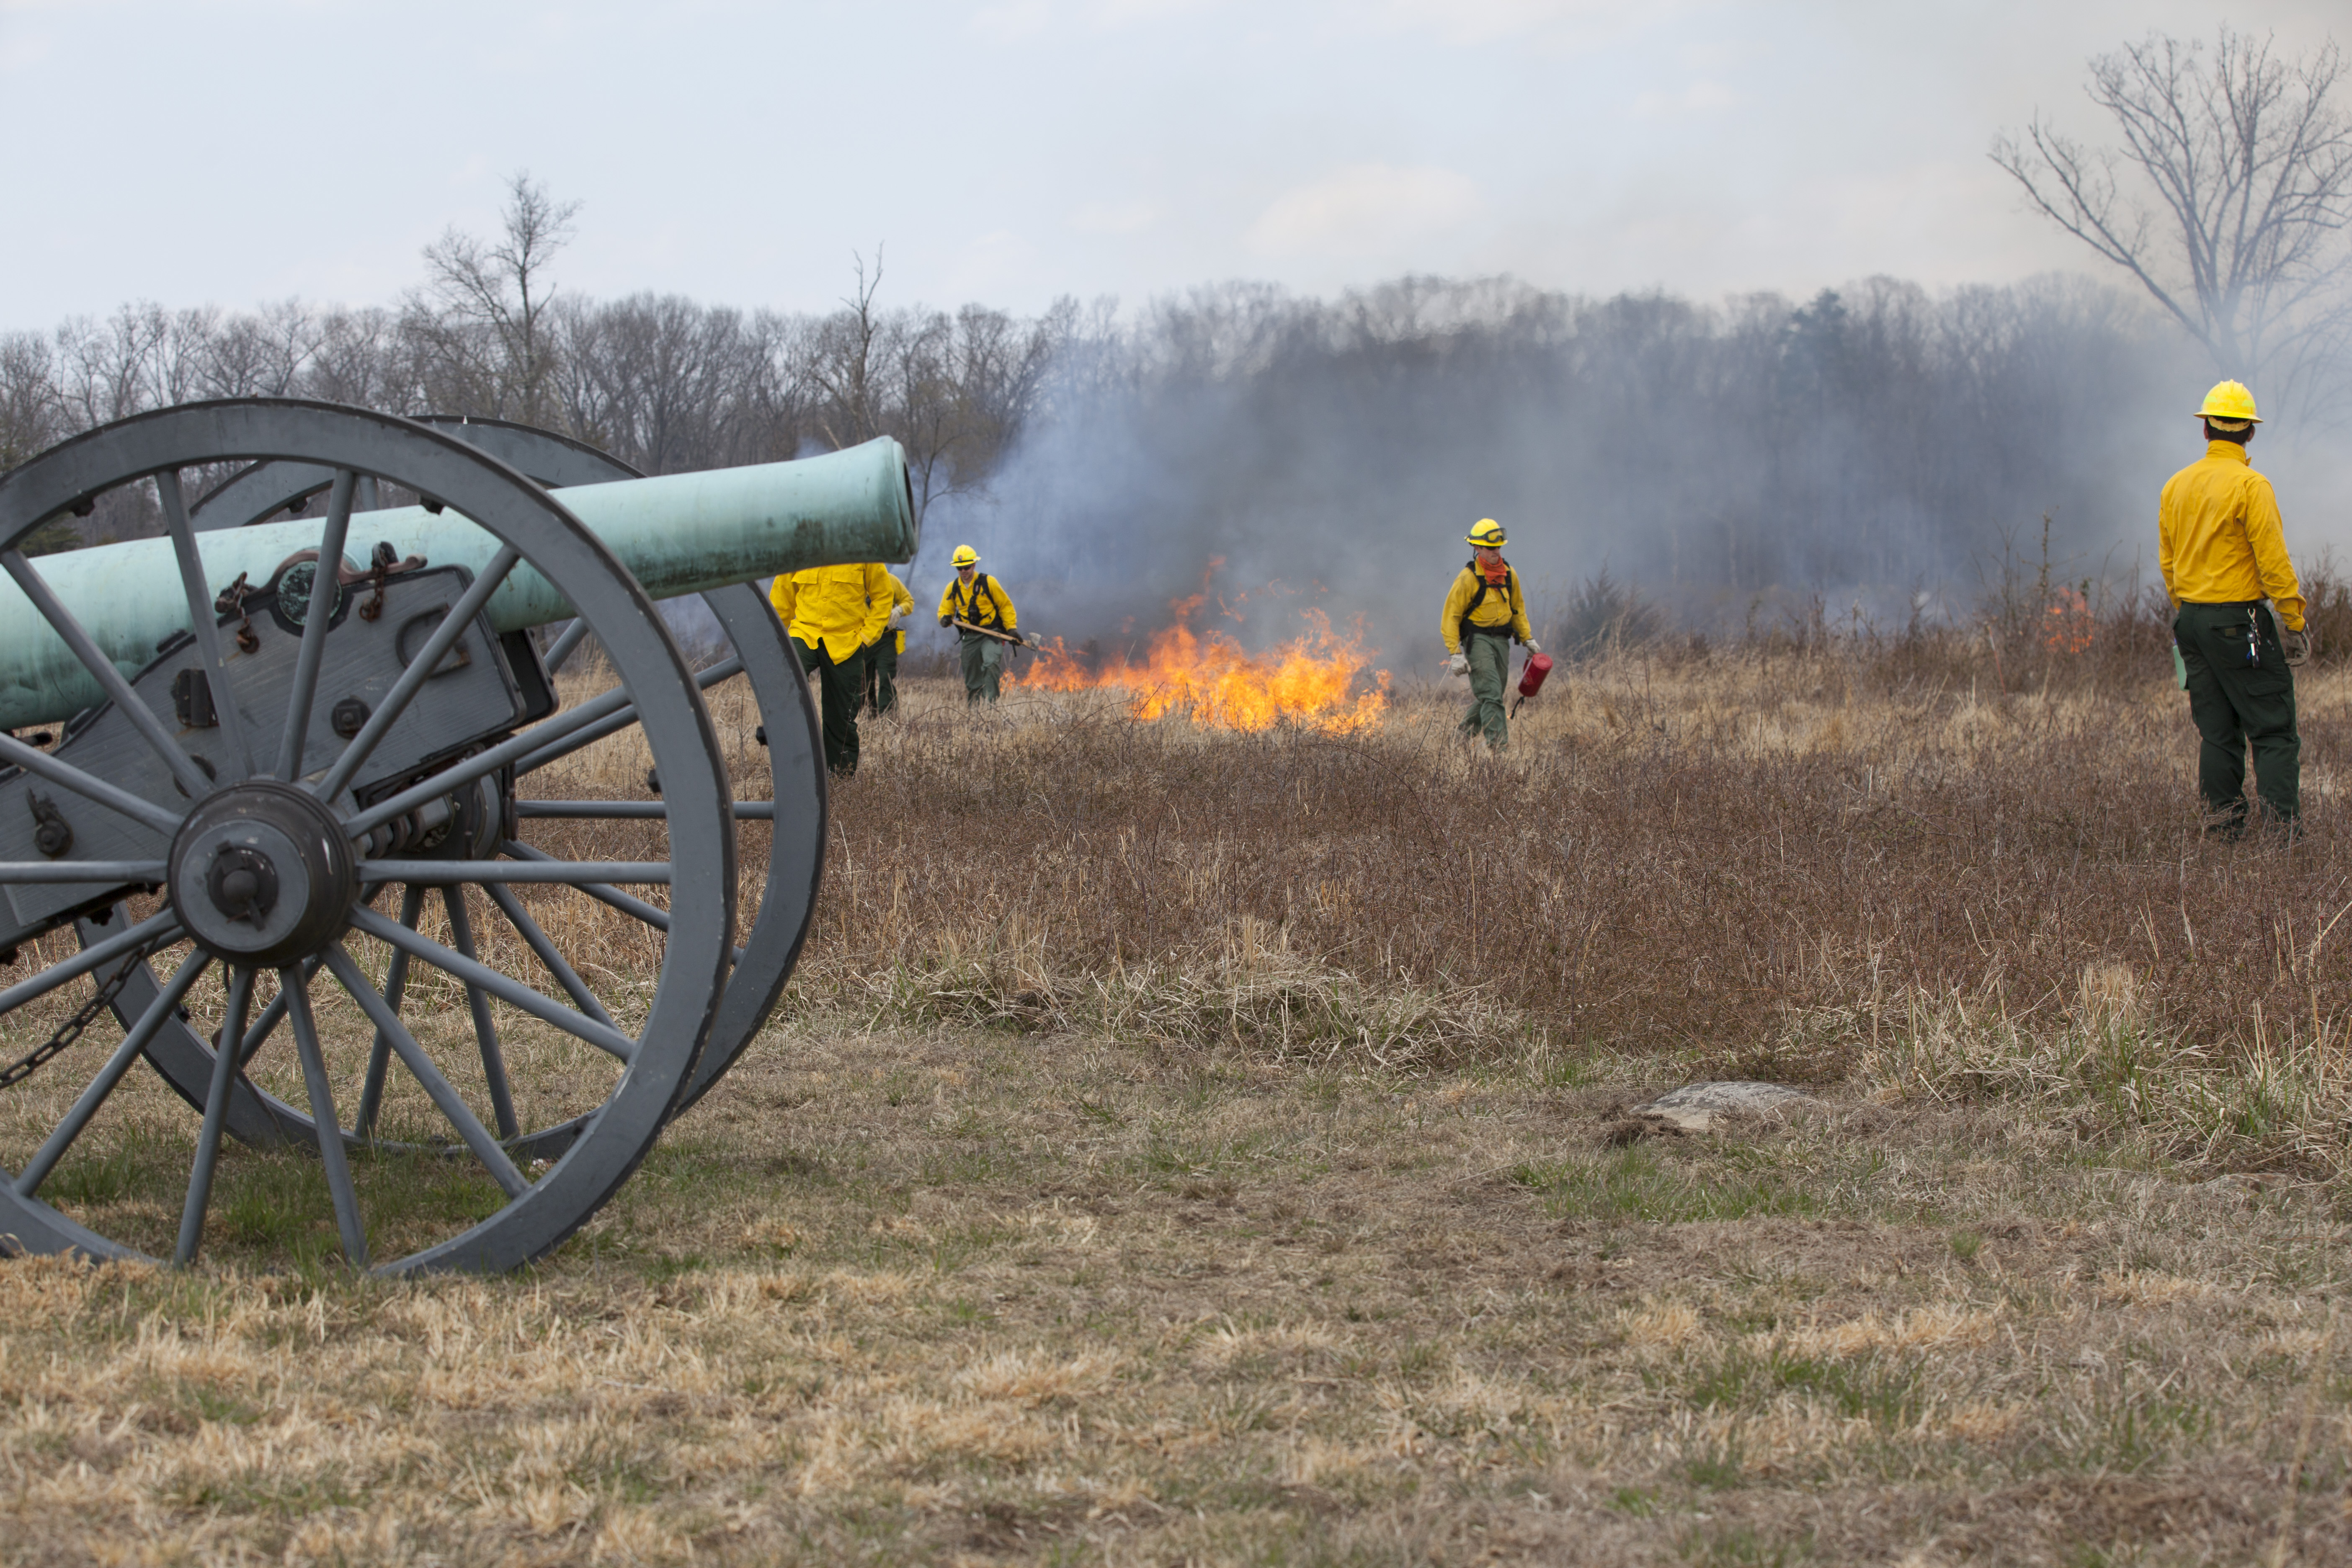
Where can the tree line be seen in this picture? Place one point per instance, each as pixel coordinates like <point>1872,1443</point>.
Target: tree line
<point>666,383</point>
<point>1870,434</point>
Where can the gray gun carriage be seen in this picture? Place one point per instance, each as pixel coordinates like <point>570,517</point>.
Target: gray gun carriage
<point>261,791</point>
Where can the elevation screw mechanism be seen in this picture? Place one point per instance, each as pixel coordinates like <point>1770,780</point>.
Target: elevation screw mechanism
<point>52,834</point>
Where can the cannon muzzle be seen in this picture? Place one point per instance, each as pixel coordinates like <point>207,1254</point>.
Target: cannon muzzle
<point>678,534</point>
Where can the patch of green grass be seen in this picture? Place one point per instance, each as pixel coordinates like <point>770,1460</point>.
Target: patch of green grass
<point>403,1192</point>
<point>1714,1467</point>
<point>268,1494</point>
<point>949,1252</point>
<point>1739,1546</point>
<point>134,1162</point>
<point>1634,1501</point>
<point>1168,1156</point>
<point>1880,1390</point>
<point>209,1404</point>
<point>952,1165</point>
<point>624,1474</point>
<point>1422,1357</point>
<point>1966,1244</point>
<point>701,1165</point>
<point>2126,1433</point>
<point>1636,1184</point>
<point>273,1200</point>
<point>795,1166</point>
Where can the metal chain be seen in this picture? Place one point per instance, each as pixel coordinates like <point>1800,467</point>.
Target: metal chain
<point>70,1030</point>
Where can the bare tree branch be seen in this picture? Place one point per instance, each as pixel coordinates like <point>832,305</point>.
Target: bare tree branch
<point>489,331</point>
<point>2228,200</point>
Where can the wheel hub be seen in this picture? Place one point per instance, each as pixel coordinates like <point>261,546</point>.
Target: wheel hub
<point>262,874</point>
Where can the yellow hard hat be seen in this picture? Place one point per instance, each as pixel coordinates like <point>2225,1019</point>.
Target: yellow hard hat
<point>2230,406</point>
<point>1487,532</point>
<point>966,555</point>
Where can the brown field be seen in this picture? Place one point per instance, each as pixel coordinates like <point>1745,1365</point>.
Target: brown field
<point>1185,1147</point>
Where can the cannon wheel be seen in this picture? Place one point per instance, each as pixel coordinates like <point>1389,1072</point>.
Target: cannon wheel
<point>788,717</point>
<point>526,1207</point>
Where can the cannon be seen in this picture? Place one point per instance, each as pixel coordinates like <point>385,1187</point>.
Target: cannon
<point>794,810</point>
<point>274,734</point>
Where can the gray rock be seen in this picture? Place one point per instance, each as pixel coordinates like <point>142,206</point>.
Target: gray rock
<point>1701,1107</point>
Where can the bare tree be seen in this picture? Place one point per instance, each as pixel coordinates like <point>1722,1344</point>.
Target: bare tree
<point>2249,161</point>
<point>963,385</point>
<point>141,357</point>
<point>483,315</point>
<point>361,357</point>
<point>31,412</point>
<point>257,356</point>
<point>842,363</point>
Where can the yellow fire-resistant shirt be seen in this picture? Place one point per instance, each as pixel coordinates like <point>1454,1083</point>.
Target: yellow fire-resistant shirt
<point>2220,541</point>
<point>1505,606</point>
<point>843,607</point>
<point>899,596</point>
<point>992,609</point>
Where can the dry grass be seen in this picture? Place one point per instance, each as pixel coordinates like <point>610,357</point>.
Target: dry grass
<point>1184,1147</point>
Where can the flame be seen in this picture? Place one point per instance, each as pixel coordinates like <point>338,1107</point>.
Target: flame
<point>2068,622</point>
<point>1310,681</point>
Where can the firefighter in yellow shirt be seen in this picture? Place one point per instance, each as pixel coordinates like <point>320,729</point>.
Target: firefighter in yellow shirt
<point>980,609</point>
<point>2221,548</point>
<point>833,614</point>
<point>882,659</point>
<point>1486,612</point>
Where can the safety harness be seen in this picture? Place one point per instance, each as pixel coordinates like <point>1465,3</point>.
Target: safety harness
<point>982,599</point>
<point>1463,628</point>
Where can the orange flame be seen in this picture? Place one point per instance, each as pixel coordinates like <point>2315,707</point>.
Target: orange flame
<point>2068,622</point>
<point>1310,681</point>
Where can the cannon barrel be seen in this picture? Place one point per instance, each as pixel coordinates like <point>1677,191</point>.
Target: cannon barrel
<point>678,534</point>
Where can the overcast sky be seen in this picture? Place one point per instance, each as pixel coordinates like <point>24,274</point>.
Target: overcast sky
<point>233,153</point>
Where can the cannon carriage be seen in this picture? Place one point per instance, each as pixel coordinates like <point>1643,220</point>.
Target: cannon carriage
<point>285,750</point>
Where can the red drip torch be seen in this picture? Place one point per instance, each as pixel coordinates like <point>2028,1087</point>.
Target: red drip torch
<point>1531,678</point>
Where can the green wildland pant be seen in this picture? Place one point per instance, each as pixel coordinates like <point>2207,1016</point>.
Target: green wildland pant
<point>882,675</point>
<point>2235,703</point>
<point>839,689</point>
<point>1490,671</point>
<point>984,666</point>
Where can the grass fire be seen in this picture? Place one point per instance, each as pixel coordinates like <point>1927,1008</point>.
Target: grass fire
<point>1320,681</point>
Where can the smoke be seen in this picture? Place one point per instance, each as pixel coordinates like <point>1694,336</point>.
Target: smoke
<point>1872,445</point>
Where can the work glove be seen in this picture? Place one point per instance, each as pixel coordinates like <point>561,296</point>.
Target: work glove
<point>1014,633</point>
<point>2300,645</point>
<point>1459,664</point>
<point>901,613</point>
<point>947,620</point>
<point>1534,647</point>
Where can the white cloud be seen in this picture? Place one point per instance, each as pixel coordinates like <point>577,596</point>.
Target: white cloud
<point>1013,19</point>
<point>25,44</point>
<point>1700,97</point>
<point>991,265</point>
<point>1115,217</point>
<point>1111,14</point>
<point>1368,205</point>
<point>1483,21</point>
